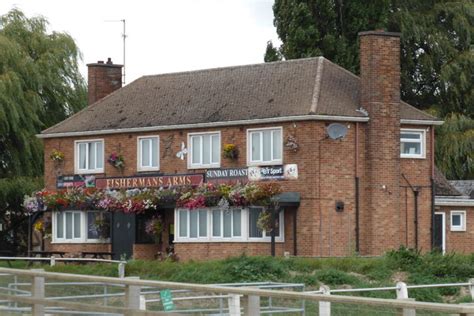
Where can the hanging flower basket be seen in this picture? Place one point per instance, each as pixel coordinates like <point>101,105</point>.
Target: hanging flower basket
<point>154,228</point>
<point>56,156</point>
<point>117,161</point>
<point>230,152</point>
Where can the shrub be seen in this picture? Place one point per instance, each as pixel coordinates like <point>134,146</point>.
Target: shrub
<point>335,277</point>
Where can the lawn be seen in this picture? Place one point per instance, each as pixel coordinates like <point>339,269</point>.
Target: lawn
<point>350,272</point>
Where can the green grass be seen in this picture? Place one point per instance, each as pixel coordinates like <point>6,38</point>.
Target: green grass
<point>352,272</point>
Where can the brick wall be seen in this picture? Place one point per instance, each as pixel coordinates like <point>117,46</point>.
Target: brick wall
<point>380,96</point>
<point>459,241</point>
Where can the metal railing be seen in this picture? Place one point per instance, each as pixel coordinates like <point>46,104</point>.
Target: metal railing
<point>52,261</point>
<point>246,296</point>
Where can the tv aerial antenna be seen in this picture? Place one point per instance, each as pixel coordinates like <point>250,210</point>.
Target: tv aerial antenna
<point>124,37</point>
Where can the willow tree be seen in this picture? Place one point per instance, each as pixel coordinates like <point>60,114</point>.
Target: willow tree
<point>455,147</point>
<point>40,85</point>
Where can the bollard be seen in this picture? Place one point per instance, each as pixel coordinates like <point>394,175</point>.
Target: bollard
<point>121,270</point>
<point>52,262</point>
<point>402,294</point>
<point>471,288</point>
<point>37,292</point>
<point>325,307</point>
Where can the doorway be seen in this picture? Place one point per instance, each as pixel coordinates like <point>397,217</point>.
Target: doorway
<point>123,235</point>
<point>439,232</point>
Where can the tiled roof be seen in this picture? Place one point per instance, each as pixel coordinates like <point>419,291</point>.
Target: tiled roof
<point>466,187</point>
<point>443,186</point>
<point>261,91</point>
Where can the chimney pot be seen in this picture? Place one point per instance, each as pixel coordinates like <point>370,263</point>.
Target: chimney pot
<point>100,61</point>
<point>109,61</point>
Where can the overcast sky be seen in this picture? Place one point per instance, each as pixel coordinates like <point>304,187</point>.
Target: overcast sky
<point>162,35</point>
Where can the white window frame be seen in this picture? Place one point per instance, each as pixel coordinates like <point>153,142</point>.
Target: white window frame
<point>422,132</point>
<point>211,239</point>
<point>76,157</point>
<point>458,228</point>
<point>273,161</point>
<point>140,167</point>
<point>84,225</point>
<point>221,237</point>
<point>192,165</point>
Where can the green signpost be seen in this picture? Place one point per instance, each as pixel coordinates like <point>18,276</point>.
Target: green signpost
<point>167,300</point>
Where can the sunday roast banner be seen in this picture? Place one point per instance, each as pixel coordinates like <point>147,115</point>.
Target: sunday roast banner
<point>149,182</point>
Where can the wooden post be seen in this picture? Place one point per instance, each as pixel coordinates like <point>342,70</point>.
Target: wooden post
<point>37,292</point>
<point>402,294</point>
<point>132,297</point>
<point>325,307</point>
<point>252,305</point>
<point>234,304</point>
<point>52,262</point>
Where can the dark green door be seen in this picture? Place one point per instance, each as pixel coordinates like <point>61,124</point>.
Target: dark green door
<point>123,235</point>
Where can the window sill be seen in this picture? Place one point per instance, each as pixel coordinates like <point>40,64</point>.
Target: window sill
<point>241,241</point>
<point>412,157</point>
<point>105,241</point>
<point>148,169</point>
<point>458,230</point>
<point>89,171</point>
<point>204,167</point>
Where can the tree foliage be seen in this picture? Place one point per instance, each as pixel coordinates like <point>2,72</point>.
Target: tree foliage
<point>437,55</point>
<point>40,85</point>
<point>12,216</point>
<point>455,147</point>
<point>437,42</point>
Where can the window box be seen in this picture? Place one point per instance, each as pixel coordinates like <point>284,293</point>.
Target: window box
<point>148,153</point>
<point>89,156</point>
<point>412,143</point>
<point>264,146</point>
<point>204,150</point>
<point>458,221</point>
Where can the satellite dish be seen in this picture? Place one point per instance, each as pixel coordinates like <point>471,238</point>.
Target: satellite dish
<point>336,131</point>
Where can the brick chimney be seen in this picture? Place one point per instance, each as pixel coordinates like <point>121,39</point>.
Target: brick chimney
<point>103,79</point>
<point>380,96</point>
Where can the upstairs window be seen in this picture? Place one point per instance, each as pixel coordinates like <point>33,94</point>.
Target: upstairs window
<point>148,153</point>
<point>89,156</point>
<point>204,150</point>
<point>412,143</point>
<point>264,146</point>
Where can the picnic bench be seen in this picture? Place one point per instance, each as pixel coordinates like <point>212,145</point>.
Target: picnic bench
<point>97,254</point>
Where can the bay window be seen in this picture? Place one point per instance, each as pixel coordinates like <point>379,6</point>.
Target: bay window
<point>80,226</point>
<point>218,225</point>
<point>89,156</point>
<point>264,146</point>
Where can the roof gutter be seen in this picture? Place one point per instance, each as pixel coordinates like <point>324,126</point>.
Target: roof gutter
<point>439,201</point>
<point>421,122</point>
<point>312,117</point>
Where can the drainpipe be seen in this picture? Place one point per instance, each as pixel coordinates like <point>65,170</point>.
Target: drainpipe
<point>357,190</point>
<point>415,194</point>
<point>273,215</point>
<point>433,193</point>
<point>416,191</point>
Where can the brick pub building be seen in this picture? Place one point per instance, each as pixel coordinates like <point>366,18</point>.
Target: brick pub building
<point>364,158</point>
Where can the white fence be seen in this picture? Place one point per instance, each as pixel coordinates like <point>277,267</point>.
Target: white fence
<point>247,299</point>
